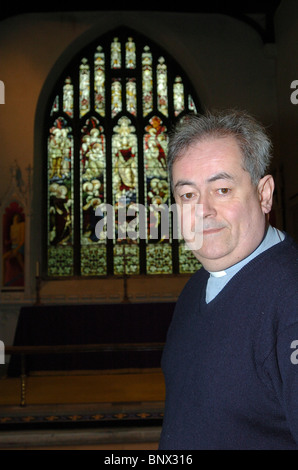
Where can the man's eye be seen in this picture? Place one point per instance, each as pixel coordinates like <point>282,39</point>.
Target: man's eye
<point>187,196</point>
<point>223,191</point>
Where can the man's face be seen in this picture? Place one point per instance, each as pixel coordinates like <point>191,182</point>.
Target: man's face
<point>211,173</point>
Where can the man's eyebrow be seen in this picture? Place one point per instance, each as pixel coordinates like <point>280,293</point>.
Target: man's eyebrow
<point>184,183</point>
<point>220,176</point>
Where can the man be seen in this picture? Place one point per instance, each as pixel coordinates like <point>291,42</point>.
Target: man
<point>231,358</point>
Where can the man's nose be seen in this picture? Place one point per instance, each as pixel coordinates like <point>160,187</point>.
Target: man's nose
<point>208,206</point>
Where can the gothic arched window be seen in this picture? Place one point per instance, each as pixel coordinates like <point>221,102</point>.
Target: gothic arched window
<point>108,193</point>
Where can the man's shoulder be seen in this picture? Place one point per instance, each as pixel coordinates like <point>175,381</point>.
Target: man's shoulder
<point>280,274</point>
<point>285,257</point>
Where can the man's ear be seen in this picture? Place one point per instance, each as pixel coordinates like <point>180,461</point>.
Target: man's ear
<point>265,191</point>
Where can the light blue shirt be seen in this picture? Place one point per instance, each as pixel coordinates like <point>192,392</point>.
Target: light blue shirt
<point>218,280</point>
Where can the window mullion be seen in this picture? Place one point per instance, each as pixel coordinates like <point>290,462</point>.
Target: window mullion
<point>140,124</point>
<point>77,124</point>
<point>108,126</point>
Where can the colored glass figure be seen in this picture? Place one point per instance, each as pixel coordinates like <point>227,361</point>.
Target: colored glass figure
<point>99,81</point>
<point>131,96</point>
<point>125,165</point>
<point>116,54</point>
<point>68,97</point>
<point>162,86</point>
<point>84,87</point>
<point>116,99</point>
<point>178,95</point>
<point>130,54</point>
<point>147,81</point>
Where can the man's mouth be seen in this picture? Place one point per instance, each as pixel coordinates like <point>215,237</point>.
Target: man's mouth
<point>212,230</point>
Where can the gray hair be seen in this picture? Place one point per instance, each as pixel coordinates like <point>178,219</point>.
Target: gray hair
<point>252,138</point>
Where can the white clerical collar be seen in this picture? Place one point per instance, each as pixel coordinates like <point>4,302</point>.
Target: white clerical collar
<point>217,273</point>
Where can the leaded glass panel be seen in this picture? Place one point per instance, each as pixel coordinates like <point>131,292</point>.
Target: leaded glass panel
<point>187,261</point>
<point>162,86</point>
<point>191,105</point>
<point>157,194</point>
<point>60,197</point>
<point>93,178</point>
<point>99,81</point>
<point>125,187</point>
<point>68,97</point>
<point>155,166</point>
<point>60,261</point>
<point>130,54</point>
<point>84,87</point>
<point>131,96</point>
<point>55,107</point>
<point>126,258</point>
<point>159,259</point>
<point>116,100</point>
<point>147,81</point>
<point>178,95</point>
<point>116,54</point>
<point>94,260</point>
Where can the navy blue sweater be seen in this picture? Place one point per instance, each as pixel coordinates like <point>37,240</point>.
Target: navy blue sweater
<point>231,366</point>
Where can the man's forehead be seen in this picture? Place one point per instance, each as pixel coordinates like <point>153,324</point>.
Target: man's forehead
<point>211,152</point>
<point>219,141</point>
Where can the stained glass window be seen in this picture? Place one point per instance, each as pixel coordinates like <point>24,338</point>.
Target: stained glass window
<point>108,192</point>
